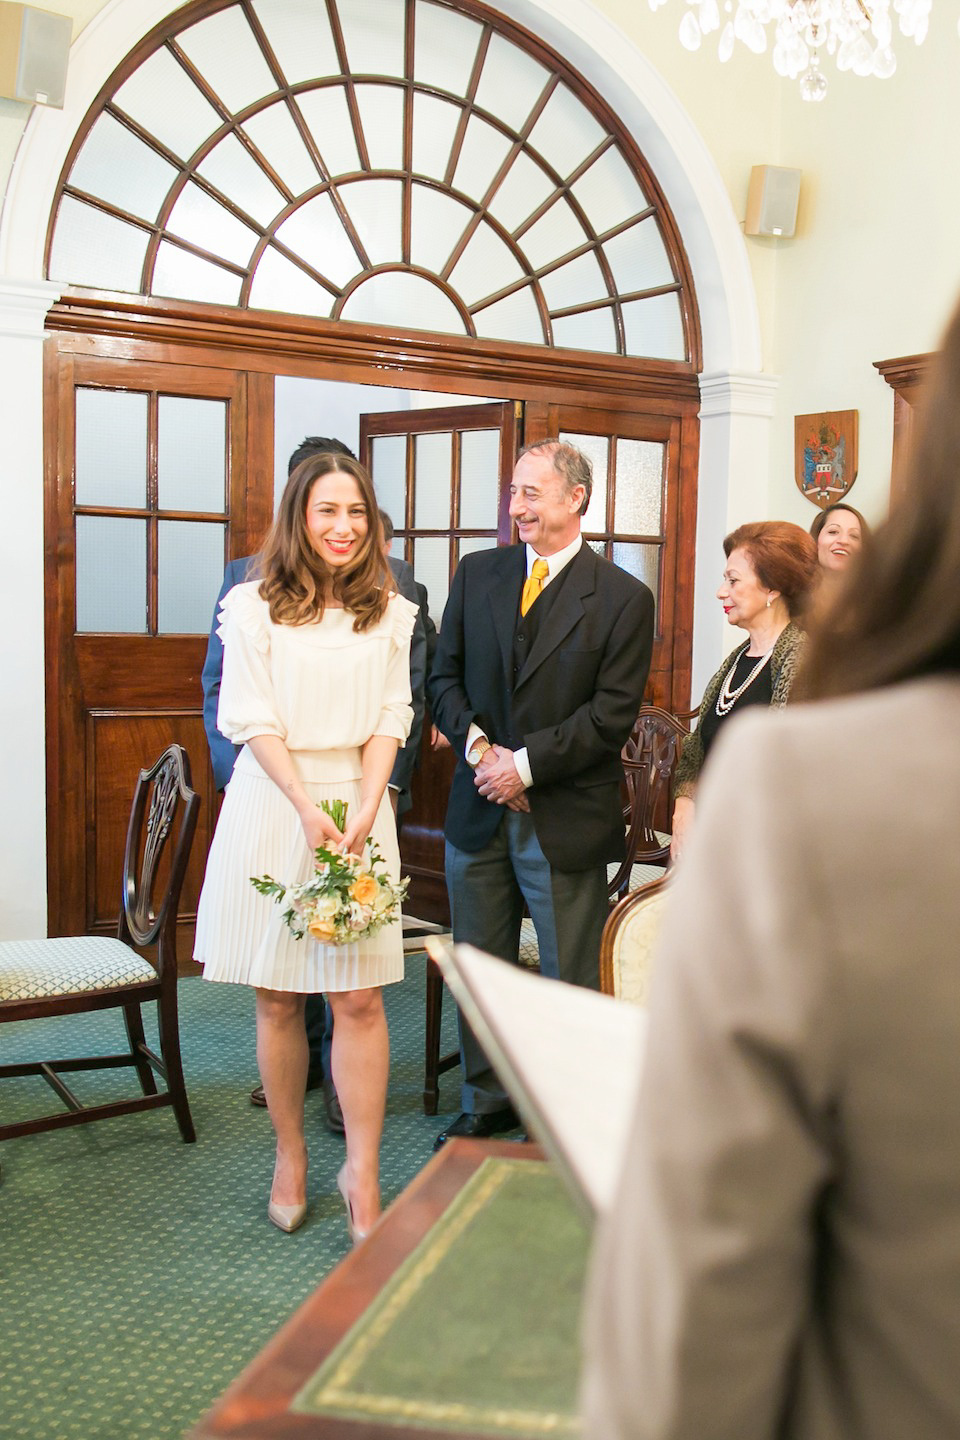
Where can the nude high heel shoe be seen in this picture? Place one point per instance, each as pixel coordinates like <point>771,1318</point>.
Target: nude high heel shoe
<point>355,1235</point>
<point>286,1217</point>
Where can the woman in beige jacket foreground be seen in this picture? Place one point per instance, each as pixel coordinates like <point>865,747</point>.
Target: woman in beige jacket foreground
<point>783,1259</point>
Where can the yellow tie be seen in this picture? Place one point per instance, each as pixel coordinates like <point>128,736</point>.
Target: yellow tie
<point>533,584</point>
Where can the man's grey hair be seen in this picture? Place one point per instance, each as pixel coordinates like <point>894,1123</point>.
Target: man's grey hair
<point>570,465</point>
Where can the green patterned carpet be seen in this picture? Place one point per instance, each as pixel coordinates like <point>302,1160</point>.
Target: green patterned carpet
<point>139,1275</point>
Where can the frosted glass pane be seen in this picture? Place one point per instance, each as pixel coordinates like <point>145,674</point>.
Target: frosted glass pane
<point>112,575</point>
<point>408,301</point>
<point>575,283</point>
<point>641,561</point>
<point>431,566</point>
<point>328,118</point>
<point>483,152</point>
<point>373,35</point>
<point>436,224</point>
<point>486,266</point>
<point>654,327</point>
<point>238,176</point>
<point>227,55</point>
<point>445,48</point>
<point>316,232</point>
<point>388,466</point>
<point>593,330</point>
<point>111,448</point>
<point>566,132</point>
<point>638,503</point>
<point>479,479</point>
<point>278,284</point>
<point>299,34</point>
<point>190,557</point>
<point>511,83</point>
<point>609,192</point>
<point>434,126</point>
<point>90,248</point>
<point>597,450</point>
<point>273,132</point>
<point>191,453</point>
<point>524,188</point>
<point>381,115</point>
<point>555,233</point>
<point>433,459</point>
<point>638,258</point>
<point>117,166</point>
<point>374,208</point>
<point>471,544</point>
<point>165,101</point>
<point>186,276</point>
<point>514,318</point>
<point>203,221</point>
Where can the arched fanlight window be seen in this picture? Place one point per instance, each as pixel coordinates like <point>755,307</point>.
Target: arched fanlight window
<point>413,163</point>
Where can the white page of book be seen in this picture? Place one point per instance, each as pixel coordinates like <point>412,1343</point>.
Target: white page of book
<point>570,1059</point>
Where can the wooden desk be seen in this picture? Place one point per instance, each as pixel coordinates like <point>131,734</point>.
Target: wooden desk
<point>256,1407</point>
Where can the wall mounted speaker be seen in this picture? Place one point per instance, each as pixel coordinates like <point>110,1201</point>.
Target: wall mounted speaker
<point>34,47</point>
<point>772,200</point>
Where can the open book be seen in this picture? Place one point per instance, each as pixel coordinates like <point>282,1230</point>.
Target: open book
<point>569,1058</point>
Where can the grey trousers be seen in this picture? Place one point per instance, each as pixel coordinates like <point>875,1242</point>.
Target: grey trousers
<point>488,889</point>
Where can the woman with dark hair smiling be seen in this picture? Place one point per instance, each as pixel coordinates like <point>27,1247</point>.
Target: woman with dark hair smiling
<point>316,686</point>
<point>839,532</point>
<point>771,567</point>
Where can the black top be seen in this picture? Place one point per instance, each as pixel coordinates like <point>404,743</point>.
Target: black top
<point>759,693</point>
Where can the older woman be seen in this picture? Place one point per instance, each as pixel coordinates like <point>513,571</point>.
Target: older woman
<point>771,567</point>
<point>839,532</point>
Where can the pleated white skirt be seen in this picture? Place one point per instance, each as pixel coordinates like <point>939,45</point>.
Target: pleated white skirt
<point>241,937</point>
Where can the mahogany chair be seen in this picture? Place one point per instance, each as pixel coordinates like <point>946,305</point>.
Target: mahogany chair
<point>649,759</point>
<point>628,941</point>
<point>69,976</point>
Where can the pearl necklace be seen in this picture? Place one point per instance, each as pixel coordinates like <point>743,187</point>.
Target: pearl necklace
<point>728,697</point>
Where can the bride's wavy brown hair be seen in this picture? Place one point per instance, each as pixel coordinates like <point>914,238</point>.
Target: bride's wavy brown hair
<point>294,578</point>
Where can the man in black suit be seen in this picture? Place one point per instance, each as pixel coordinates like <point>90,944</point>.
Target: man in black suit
<point>223,754</point>
<point>539,673</point>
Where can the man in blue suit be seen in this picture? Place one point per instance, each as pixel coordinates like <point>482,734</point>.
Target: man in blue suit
<point>223,755</point>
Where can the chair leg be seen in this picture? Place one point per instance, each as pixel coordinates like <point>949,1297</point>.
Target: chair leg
<point>133,1019</point>
<point>431,1068</point>
<point>169,1027</point>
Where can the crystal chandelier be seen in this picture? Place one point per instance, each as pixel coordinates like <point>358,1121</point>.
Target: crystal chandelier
<point>858,33</point>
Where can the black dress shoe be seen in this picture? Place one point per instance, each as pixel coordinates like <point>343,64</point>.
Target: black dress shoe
<point>478,1127</point>
<point>257,1097</point>
<point>331,1104</point>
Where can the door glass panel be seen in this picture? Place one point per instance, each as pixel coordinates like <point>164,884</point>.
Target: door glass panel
<point>91,248</point>
<point>486,266</point>
<point>431,566</point>
<point>436,224</point>
<point>162,98</point>
<point>484,150</point>
<point>373,35</point>
<point>609,191</point>
<point>641,561</point>
<point>116,165</point>
<point>517,317</point>
<point>190,558</point>
<point>523,189</point>
<point>273,132</point>
<point>479,479</point>
<point>638,503</point>
<point>178,272</point>
<point>512,82</point>
<point>111,449</point>
<point>299,34</point>
<point>470,544</point>
<point>315,232</point>
<point>228,57</point>
<point>388,465</point>
<point>210,226</point>
<point>191,453</point>
<point>434,126</point>
<point>566,133</point>
<point>235,172</point>
<point>280,285</point>
<point>328,117</point>
<point>445,48</point>
<point>597,450</point>
<point>593,330</point>
<point>638,258</point>
<point>112,575</point>
<point>556,232</point>
<point>374,208</point>
<point>578,281</point>
<point>654,327</point>
<point>411,302</point>
<point>432,475</point>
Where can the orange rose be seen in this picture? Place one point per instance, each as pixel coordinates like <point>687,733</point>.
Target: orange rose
<point>363,889</point>
<point>321,930</point>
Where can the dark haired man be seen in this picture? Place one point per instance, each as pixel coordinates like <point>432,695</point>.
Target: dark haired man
<point>223,755</point>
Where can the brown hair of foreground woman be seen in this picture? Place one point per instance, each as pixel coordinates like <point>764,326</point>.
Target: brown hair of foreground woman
<point>781,556</point>
<point>295,575</point>
<point>899,615</point>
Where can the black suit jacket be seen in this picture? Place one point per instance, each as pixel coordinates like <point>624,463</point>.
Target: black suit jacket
<point>573,704</point>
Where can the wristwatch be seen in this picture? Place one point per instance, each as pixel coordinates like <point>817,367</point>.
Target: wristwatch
<point>477,751</point>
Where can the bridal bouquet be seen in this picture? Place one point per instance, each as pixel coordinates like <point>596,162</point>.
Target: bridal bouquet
<point>348,897</point>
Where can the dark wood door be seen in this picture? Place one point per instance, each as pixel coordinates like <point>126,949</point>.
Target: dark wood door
<point>156,474</point>
<point>442,475</point>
